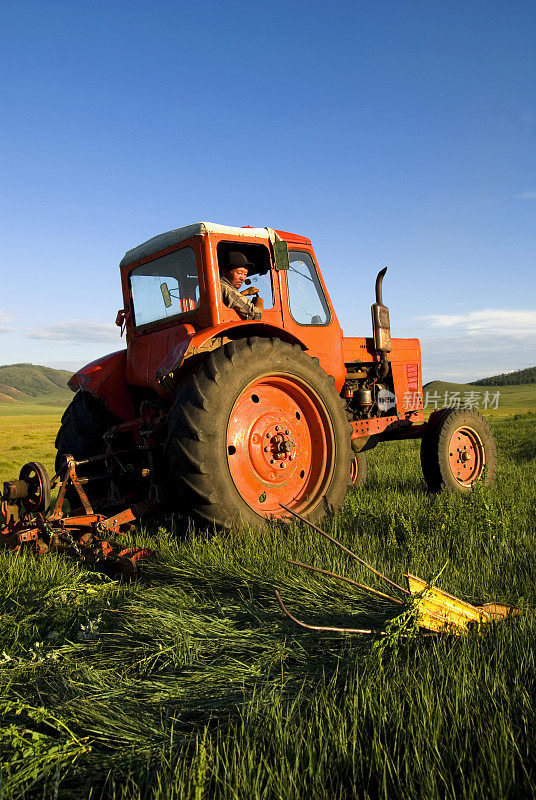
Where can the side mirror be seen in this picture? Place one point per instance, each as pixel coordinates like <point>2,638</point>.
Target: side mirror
<point>165,294</point>
<point>279,250</point>
<point>280,254</point>
<point>121,319</point>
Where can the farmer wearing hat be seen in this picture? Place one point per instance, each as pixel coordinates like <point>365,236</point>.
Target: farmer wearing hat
<point>232,279</point>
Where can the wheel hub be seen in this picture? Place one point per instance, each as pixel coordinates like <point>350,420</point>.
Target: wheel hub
<point>281,445</point>
<point>466,455</point>
<point>274,445</point>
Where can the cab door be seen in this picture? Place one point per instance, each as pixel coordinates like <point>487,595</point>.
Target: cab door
<point>309,314</point>
<point>166,299</point>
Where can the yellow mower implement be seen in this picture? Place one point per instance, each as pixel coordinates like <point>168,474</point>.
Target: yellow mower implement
<point>442,612</point>
<point>437,611</point>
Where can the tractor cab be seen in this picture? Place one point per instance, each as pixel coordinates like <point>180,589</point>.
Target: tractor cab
<point>172,296</point>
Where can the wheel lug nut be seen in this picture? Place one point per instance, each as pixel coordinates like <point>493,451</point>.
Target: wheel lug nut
<point>271,461</point>
<point>277,427</point>
<point>287,432</point>
<point>281,466</point>
<point>266,449</point>
<point>290,458</point>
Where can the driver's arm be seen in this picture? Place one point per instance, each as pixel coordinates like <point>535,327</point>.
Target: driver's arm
<point>244,308</point>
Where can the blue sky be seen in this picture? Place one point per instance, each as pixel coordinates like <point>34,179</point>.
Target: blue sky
<point>391,133</point>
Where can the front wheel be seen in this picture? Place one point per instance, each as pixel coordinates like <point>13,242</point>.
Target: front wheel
<point>259,424</point>
<point>457,450</point>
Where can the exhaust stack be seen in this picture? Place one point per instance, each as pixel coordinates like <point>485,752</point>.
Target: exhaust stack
<point>381,328</point>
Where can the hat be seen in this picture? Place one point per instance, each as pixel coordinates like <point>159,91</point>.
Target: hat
<point>238,259</point>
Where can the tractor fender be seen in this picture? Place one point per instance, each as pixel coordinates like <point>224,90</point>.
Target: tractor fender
<point>212,338</point>
<point>435,418</point>
<point>105,379</point>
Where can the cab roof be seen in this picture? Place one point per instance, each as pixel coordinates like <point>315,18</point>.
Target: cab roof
<point>178,235</point>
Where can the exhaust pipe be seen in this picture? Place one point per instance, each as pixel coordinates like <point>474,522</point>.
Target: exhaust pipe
<point>381,328</point>
<point>379,284</point>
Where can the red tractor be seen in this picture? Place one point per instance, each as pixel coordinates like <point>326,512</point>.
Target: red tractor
<point>224,418</point>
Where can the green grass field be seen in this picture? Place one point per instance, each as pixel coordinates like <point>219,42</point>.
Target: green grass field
<point>192,684</point>
<point>27,435</point>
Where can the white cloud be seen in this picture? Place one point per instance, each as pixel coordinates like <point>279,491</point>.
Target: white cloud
<point>80,332</point>
<point>465,347</point>
<point>525,196</point>
<point>503,322</point>
<point>465,358</point>
<point>5,319</point>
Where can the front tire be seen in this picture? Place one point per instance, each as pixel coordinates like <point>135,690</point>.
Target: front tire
<point>457,450</point>
<point>259,424</point>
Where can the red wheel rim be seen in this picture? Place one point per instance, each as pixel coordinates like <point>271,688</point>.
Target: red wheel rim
<point>280,445</point>
<point>466,455</point>
<point>354,470</point>
<point>38,486</point>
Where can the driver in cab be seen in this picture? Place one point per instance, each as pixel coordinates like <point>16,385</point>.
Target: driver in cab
<point>234,275</point>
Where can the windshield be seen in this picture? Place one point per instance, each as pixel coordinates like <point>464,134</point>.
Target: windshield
<point>307,302</point>
<point>165,287</point>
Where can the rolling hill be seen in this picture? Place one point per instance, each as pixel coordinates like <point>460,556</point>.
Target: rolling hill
<point>33,384</point>
<point>514,378</point>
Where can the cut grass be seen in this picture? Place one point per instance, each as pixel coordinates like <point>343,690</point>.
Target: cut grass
<point>192,684</point>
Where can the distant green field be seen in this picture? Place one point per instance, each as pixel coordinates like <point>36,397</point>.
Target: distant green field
<point>511,399</point>
<point>27,435</point>
<point>34,409</point>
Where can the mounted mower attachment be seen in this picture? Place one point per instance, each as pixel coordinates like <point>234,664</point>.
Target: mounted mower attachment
<point>435,611</point>
<point>27,521</point>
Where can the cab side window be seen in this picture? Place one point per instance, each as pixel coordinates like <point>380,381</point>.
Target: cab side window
<point>259,275</point>
<point>307,302</point>
<point>165,287</point>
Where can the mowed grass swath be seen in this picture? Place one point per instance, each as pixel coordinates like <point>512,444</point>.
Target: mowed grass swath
<point>191,683</point>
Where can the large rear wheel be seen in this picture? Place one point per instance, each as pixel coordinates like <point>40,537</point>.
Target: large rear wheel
<point>457,450</point>
<point>259,424</point>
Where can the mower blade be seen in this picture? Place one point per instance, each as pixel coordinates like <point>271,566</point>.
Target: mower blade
<point>442,612</point>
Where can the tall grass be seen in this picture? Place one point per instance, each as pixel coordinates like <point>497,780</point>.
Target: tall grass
<point>192,684</point>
